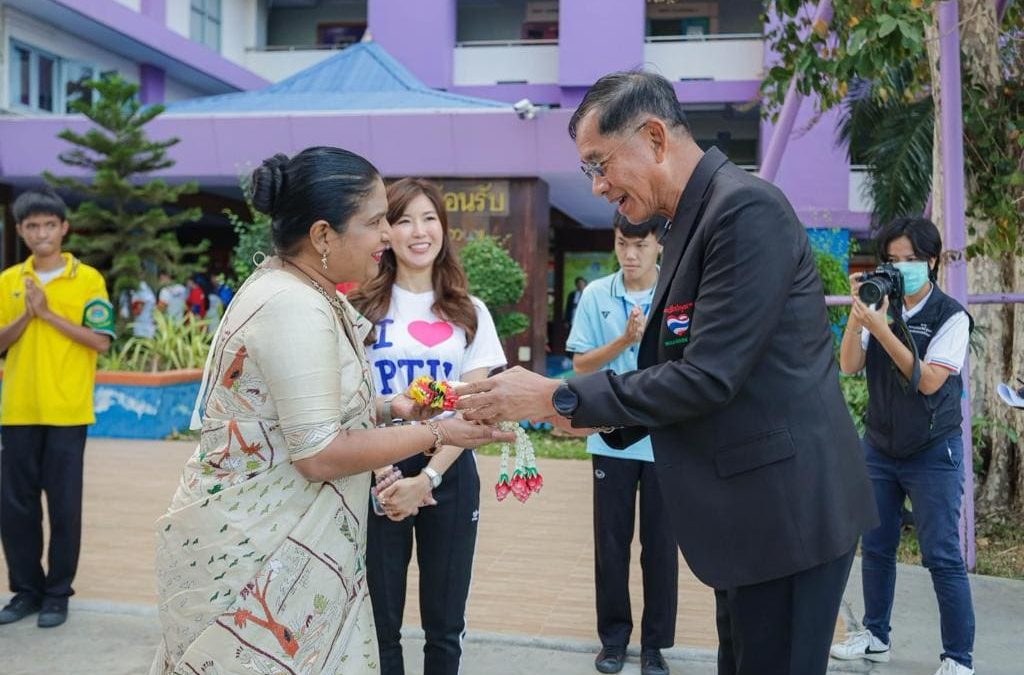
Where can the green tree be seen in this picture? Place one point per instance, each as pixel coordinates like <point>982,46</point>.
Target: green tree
<point>892,136</point>
<point>122,227</point>
<point>498,280</point>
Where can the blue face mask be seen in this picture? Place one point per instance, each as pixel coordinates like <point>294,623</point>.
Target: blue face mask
<point>915,275</point>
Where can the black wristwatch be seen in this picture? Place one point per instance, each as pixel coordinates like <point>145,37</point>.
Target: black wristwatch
<point>565,401</point>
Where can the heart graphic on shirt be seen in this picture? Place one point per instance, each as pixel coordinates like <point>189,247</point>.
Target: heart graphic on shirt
<point>430,334</point>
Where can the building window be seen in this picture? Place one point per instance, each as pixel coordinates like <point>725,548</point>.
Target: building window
<point>506,21</point>
<point>21,79</point>
<point>44,82</point>
<point>76,75</point>
<point>339,34</point>
<point>205,26</point>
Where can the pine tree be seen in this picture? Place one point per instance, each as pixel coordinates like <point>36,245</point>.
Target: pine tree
<point>122,227</point>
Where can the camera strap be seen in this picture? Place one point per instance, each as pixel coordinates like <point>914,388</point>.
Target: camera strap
<point>901,323</point>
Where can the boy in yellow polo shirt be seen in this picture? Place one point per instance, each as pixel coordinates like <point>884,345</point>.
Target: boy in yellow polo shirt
<point>55,317</point>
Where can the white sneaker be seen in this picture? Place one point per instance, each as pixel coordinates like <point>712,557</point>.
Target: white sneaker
<point>864,645</point>
<point>951,667</point>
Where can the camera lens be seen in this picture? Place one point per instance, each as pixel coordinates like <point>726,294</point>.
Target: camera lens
<point>872,291</point>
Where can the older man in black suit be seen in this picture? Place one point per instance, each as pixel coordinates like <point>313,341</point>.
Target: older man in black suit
<point>758,460</point>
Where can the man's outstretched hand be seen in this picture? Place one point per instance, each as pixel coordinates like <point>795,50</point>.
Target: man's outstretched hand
<point>516,394</point>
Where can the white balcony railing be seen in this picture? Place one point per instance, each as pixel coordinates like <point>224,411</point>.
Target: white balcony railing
<point>487,62</point>
<point>707,57</point>
<point>275,63</point>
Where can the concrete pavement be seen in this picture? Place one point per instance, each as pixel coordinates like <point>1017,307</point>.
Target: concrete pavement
<point>103,638</point>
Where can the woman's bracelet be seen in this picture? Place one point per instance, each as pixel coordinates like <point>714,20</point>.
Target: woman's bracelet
<point>438,438</point>
<point>386,417</point>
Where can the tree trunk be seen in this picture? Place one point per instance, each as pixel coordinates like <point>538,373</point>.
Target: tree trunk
<point>999,328</point>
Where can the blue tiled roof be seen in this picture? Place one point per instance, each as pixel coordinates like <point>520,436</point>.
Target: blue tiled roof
<point>361,77</point>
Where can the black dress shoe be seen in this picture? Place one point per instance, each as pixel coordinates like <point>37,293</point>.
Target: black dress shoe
<point>20,606</point>
<point>652,663</point>
<point>610,659</point>
<point>53,613</point>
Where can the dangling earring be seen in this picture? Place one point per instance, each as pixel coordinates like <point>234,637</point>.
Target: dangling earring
<point>323,260</point>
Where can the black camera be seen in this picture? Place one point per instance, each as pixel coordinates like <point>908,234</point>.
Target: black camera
<point>886,280</point>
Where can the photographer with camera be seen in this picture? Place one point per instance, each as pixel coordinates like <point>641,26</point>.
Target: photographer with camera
<point>912,441</point>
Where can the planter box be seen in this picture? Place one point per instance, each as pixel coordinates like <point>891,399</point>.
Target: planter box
<point>144,405</point>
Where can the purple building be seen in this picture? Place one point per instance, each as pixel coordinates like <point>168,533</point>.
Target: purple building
<point>429,92</point>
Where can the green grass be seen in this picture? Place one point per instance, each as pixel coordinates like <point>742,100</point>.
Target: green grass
<point>547,446</point>
<point>999,550</point>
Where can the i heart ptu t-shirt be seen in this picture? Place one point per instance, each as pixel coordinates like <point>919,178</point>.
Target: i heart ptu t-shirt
<point>413,341</point>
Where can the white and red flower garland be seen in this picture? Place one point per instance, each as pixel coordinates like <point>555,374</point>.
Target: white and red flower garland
<point>525,479</point>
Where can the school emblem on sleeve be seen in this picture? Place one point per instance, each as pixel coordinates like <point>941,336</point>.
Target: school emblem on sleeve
<point>99,315</point>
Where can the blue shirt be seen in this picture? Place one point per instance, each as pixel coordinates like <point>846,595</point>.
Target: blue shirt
<point>600,318</point>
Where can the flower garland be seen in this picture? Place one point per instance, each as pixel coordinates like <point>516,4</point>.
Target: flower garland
<point>525,479</point>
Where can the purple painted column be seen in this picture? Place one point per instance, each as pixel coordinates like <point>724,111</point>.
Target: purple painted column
<point>790,108</point>
<point>151,84</point>
<point>597,37</point>
<point>420,34</point>
<point>952,134</point>
<point>1001,6</point>
<point>154,9</point>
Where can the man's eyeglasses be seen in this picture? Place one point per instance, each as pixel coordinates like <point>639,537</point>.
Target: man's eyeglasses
<point>594,169</point>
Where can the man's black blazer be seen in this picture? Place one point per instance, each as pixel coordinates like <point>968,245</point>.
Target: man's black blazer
<point>757,457</point>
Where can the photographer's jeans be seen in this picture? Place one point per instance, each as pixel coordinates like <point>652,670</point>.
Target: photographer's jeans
<point>933,479</point>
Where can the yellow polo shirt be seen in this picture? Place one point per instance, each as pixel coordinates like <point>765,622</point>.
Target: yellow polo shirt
<point>48,377</point>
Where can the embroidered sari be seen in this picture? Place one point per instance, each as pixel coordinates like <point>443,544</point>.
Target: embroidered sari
<point>258,569</point>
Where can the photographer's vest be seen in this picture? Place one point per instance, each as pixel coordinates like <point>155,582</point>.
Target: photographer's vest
<point>902,422</point>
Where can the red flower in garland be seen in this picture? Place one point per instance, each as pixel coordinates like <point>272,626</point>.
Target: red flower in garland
<point>502,488</point>
<point>450,397</point>
<point>534,480</point>
<point>519,487</point>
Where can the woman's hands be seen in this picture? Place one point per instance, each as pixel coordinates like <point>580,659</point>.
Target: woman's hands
<point>462,434</point>
<point>404,408</point>
<point>875,320</point>
<point>406,497</point>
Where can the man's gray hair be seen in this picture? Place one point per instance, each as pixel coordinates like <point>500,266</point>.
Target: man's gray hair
<point>620,98</point>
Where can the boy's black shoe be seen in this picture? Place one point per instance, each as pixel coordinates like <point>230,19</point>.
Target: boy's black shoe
<point>610,659</point>
<point>20,606</point>
<point>53,613</point>
<point>652,663</point>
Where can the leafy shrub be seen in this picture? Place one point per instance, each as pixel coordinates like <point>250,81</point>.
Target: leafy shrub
<point>177,344</point>
<point>855,391</point>
<point>836,282</point>
<point>498,280</point>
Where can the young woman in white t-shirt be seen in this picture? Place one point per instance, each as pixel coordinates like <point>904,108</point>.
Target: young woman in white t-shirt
<point>426,324</point>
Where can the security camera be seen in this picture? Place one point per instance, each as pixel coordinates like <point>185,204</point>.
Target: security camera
<point>525,109</point>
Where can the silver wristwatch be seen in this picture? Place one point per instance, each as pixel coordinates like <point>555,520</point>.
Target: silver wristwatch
<point>435,477</point>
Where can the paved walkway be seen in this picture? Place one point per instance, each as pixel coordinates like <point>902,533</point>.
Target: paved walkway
<point>113,628</point>
<point>533,572</point>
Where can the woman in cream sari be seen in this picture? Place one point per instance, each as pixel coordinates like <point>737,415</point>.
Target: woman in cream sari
<point>260,557</point>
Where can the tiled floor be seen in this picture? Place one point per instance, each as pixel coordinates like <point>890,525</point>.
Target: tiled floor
<point>534,565</point>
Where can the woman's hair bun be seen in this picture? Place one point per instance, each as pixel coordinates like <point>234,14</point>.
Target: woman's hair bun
<point>268,183</point>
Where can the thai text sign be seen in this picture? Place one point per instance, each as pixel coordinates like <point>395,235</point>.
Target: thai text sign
<point>479,198</point>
